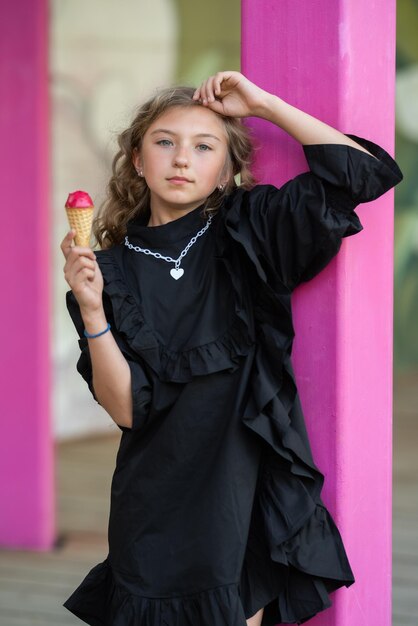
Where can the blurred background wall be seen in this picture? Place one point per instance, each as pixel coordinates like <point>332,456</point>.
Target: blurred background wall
<point>406,206</point>
<point>106,58</point>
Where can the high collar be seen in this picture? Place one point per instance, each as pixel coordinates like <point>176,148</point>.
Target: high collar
<point>189,224</point>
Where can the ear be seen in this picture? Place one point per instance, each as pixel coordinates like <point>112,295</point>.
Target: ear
<point>137,159</point>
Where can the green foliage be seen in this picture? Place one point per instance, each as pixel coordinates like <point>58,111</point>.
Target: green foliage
<point>209,38</point>
<point>406,202</point>
<point>407,30</point>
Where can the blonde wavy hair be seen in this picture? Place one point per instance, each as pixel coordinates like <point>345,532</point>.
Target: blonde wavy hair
<point>128,195</point>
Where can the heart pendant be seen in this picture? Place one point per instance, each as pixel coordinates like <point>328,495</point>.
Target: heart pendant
<point>176,273</point>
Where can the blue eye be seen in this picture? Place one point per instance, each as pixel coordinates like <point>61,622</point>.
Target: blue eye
<point>204,147</point>
<point>164,142</point>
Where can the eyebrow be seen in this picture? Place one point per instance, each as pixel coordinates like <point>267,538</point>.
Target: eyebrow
<point>170,132</point>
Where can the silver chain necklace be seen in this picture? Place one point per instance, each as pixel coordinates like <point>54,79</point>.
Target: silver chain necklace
<point>176,272</point>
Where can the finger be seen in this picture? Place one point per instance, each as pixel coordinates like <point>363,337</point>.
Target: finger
<point>75,278</point>
<point>72,264</point>
<point>223,78</point>
<point>84,253</point>
<point>203,97</point>
<point>196,94</point>
<point>217,83</point>
<point>206,90</point>
<point>77,252</point>
<point>86,274</point>
<point>84,262</point>
<point>67,242</point>
<point>78,257</point>
<point>209,89</point>
<point>217,107</point>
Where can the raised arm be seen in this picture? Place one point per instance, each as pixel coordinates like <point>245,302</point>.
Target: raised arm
<point>111,372</point>
<point>294,231</point>
<point>233,95</point>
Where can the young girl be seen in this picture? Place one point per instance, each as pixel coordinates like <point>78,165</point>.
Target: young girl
<point>185,329</point>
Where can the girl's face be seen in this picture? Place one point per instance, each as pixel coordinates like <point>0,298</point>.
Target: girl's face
<point>183,158</point>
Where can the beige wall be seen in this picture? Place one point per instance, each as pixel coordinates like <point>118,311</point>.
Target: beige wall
<point>106,57</point>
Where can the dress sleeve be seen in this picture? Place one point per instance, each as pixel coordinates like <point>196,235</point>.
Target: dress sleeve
<point>294,231</point>
<point>140,383</point>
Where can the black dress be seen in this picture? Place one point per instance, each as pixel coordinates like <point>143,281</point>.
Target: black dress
<point>215,500</point>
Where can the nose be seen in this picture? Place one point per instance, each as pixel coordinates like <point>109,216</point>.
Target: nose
<point>181,158</point>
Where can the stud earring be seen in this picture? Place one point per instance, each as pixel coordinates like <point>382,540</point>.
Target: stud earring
<point>140,173</point>
<point>221,187</point>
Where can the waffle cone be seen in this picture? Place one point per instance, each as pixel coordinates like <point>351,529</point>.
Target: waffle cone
<point>81,220</point>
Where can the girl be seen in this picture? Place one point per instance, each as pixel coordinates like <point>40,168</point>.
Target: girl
<point>185,329</point>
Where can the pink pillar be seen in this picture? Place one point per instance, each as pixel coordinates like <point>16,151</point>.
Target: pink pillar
<point>26,444</point>
<point>335,59</point>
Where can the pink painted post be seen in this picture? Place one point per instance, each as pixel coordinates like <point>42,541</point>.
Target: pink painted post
<point>26,444</point>
<point>336,61</point>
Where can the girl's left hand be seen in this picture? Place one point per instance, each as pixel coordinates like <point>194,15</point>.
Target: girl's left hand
<point>231,94</point>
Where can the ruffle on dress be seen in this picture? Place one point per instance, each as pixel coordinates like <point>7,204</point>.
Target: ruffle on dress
<point>295,555</point>
<point>220,354</point>
<point>104,600</point>
<point>291,233</point>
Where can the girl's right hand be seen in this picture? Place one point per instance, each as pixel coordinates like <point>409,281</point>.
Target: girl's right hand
<point>233,95</point>
<point>82,273</point>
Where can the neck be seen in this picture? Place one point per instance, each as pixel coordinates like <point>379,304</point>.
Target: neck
<point>161,219</point>
<point>164,215</point>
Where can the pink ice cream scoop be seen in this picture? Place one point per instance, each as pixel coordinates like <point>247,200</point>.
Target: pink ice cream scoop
<point>80,208</point>
<point>79,199</point>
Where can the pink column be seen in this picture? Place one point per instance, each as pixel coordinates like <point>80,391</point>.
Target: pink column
<point>26,444</point>
<point>335,59</point>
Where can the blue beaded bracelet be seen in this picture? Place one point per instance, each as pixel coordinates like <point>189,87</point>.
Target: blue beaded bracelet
<point>86,334</point>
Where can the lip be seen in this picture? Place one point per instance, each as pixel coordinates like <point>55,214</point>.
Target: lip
<point>178,180</point>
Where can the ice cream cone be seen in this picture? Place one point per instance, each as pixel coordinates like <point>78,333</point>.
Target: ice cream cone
<point>81,220</point>
<point>80,209</point>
